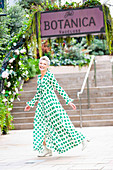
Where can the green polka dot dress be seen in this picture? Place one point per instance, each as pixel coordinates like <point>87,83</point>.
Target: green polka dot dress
<point>51,120</point>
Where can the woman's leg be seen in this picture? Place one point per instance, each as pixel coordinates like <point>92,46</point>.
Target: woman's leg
<point>44,142</point>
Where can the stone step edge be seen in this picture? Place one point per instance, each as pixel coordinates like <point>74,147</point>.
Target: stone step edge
<point>95,121</point>
<point>98,87</point>
<point>88,115</point>
<point>71,110</point>
<point>85,104</point>
<point>85,121</point>
<point>94,98</point>
<point>84,98</point>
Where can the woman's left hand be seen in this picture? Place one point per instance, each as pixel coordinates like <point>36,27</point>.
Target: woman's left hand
<point>72,105</point>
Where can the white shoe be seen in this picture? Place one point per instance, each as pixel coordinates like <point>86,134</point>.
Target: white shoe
<point>84,144</point>
<point>46,152</point>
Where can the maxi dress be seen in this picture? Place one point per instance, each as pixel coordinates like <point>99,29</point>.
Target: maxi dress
<point>51,120</point>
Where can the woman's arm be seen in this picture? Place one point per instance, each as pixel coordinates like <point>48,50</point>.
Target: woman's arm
<point>33,101</point>
<point>60,89</point>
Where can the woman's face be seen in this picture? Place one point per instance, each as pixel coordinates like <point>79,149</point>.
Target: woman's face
<point>43,65</point>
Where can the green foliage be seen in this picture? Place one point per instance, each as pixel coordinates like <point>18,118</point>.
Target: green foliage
<point>98,47</point>
<point>16,17</point>
<point>4,36</point>
<point>77,53</point>
<point>71,55</point>
<point>91,3</point>
<point>31,65</point>
<point>5,116</point>
<point>10,25</point>
<point>28,3</point>
<point>108,27</point>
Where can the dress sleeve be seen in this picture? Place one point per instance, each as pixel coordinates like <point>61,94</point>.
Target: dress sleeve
<point>35,98</point>
<point>60,89</point>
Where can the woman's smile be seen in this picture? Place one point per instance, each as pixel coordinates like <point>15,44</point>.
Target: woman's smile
<point>43,65</point>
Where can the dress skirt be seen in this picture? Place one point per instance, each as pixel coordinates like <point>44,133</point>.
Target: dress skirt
<point>51,121</point>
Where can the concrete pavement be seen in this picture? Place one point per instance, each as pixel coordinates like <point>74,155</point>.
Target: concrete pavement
<point>16,152</point>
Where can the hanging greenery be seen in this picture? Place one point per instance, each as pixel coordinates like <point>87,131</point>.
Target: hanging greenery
<point>108,27</point>
<point>39,34</point>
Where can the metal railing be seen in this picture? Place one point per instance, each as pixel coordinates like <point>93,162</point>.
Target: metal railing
<point>86,80</point>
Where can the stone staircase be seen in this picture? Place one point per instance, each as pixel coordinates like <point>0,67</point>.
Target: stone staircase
<point>71,78</point>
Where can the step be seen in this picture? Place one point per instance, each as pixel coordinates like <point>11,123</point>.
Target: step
<point>57,70</point>
<point>23,114</point>
<point>102,116</point>
<point>68,107</point>
<point>94,123</point>
<point>98,91</point>
<point>90,123</point>
<point>75,80</point>
<point>23,126</point>
<point>72,118</point>
<point>103,57</point>
<point>23,120</point>
<point>17,103</point>
<point>90,111</point>
<point>92,117</point>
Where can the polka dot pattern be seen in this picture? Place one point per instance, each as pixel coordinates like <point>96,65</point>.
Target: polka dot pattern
<point>51,120</point>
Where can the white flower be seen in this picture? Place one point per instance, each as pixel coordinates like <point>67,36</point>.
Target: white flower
<point>17,52</point>
<point>14,44</point>
<point>23,36</point>
<point>16,90</point>
<point>19,63</point>
<point>11,71</point>
<point>9,109</point>
<point>3,92</point>
<point>18,99</point>
<point>5,74</point>
<point>8,84</point>
<point>26,72</point>
<point>11,66</point>
<point>23,50</point>
<point>27,16</point>
<point>12,100</point>
<point>11,60</point>
<point>9,92</point>
<point>15,74</point>
<point>4,100</point>
<point>20,78</point>
<point>21,86</point>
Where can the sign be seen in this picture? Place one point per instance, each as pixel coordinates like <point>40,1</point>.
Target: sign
<point>72,22</point>
<point>2,4</point>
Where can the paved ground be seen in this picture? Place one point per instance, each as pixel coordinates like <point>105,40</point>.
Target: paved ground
<point>16,152</point>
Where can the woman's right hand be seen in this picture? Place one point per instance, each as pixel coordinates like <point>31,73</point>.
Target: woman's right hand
<point>27,108</point>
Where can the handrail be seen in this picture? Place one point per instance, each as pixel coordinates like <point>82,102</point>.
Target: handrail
<point>86,76</point>
<point>83,86</point>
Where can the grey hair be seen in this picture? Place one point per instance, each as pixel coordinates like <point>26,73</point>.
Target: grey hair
<point>46,59</point>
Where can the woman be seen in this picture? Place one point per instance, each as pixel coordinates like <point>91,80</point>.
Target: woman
<point>53,129</point>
